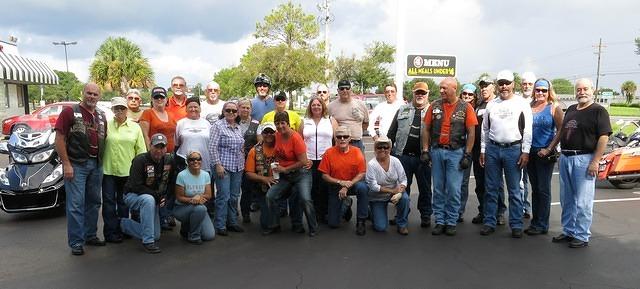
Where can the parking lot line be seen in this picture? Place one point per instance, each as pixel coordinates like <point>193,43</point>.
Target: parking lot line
<point>608,200</point>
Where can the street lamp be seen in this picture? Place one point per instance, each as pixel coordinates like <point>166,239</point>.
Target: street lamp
<point>64,43</point>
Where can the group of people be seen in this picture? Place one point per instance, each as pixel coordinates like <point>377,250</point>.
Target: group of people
<point>198,161</point>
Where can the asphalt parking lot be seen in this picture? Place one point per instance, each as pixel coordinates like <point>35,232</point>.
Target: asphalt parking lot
<point>34,254</point>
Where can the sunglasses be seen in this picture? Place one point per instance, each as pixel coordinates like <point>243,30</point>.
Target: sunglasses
<point>420,92</point>
<point>268,132</point>
<point>383,147</point>
<point>542,90</point>
<point>119,108</point>
<point>504,82</point>
<point>319,92</point>
<point>281,99</point>
<point>228,110</point>
<point>133,98</point>
<point>344,88</point>
<point>343,136</point>
<point>469,94</point>
<point>177,85</point>
<point>213,89</point>
<point>262,85</point>
<point>194,159</point>
<point>158,97</point>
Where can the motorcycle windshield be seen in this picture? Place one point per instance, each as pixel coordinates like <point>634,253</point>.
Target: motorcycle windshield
<point>38,136</point>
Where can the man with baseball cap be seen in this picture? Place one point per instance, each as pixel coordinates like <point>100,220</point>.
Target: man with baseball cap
<point>406,134</point>
<point>504,148</point>
<point>350,112</point>
<point>281,105</point>
<point>146,191</point>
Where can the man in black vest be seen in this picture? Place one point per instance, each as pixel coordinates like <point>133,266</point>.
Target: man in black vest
<point>80,134</point>
<point>448,137</point>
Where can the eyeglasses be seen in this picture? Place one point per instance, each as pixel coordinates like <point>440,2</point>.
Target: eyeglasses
<point>383,147</point>
<point>504,82</point>
<point>319,92</point>
<point>119,108</point>
<point>228,110</point>
<point>213,89</point>
<point>130,98</point>
<point>343,136</point>
<point>420,93</point>
<point>177,85</point>
<point>468,93</point>
<point>542,90</point>
<point>194,159</point>
<point>344,88</point>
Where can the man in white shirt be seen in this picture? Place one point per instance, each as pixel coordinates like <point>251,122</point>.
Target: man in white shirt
<point>504,147</point>
<point>385,111</point>
<point>212,107</point>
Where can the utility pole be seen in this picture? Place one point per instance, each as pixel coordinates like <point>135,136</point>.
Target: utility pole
<point>66,59</point>
<point>325,18</point>
<point>598,71</point>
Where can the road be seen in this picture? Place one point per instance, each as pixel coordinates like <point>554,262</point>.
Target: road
<point>33,254</point>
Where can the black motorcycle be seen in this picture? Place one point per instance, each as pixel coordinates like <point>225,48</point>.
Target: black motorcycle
<point>33,180</point>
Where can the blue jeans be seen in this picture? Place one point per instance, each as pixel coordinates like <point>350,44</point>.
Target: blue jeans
<point>359,144</point>
<point>300,182</point>
<point>498,160</point>
<point>227,199</point>
<point>464,191</point>
<point>196,219</point>
<point>540,173</point>
<point>83,202</point>
<point>447,180</point>
<point>360,190</point>
<point>577,189</point>
<point>379,213</point>
<point>412,165</point>
<point>148,230</point>
<point>479,175</point>
<point>113,207</point>
<point>524,188</point>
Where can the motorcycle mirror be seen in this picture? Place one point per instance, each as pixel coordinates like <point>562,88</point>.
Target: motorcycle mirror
<point>4,147</point>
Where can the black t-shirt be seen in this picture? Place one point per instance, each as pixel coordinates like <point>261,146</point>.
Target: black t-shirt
<point>582,128</point>
<point>480,109</point>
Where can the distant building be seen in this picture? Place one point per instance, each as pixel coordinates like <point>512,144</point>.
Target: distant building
<point>16,74</point>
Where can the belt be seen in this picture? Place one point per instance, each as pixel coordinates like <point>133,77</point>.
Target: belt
<point>444,146</point>
<point>504,145</point>
<point>575,152</point>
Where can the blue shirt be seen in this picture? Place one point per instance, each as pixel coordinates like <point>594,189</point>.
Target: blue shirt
<point>260,107</point>
<point>193,185</point>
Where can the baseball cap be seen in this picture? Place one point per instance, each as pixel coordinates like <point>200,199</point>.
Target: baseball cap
<point>469,88</point>
<point>266,125</point>
<point>343,130</point>
<point>118,101</point>
<point>159,139</point>
<point>158,92</point>
<point>281,96</point>
<point>344,83</point>
<point>420,86</point>
<point>505,75</point>
<point>528,77</point>
<point>485,80</point>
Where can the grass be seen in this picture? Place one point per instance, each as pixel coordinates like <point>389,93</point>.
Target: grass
<point>628,130</point>
<point>624,111</point>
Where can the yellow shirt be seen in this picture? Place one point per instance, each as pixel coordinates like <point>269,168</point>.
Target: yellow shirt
<point>294,119</point>
<point>122,144</point>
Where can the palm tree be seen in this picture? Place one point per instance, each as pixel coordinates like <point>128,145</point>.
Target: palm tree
<point>120,65</point>
<point>629,89</point>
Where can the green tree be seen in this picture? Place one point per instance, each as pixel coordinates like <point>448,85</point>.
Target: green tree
<point>629,90</point>
<point>372,70</point>
<point>434,90</point>
<point>562,86</point>
<point>68,88</point>
<point>234,83</point>
<point>344,67</point>
<point>119,65</point>
<point>288,24</point>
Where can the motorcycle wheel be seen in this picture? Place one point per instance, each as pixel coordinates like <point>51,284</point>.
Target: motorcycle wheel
<point>625,184</point>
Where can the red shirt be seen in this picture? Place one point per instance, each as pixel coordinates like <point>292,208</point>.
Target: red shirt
<point>65,121</point>
<point>176,111</point>
<point>445,129</point>
<point>287,151</point>
<point>342,166</point>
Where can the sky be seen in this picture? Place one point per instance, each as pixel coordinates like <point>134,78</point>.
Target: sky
<point>197,38</point>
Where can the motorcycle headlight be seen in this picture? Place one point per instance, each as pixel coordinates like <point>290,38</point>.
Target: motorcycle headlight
<point>19,158</point>
<point>57,172</point>
<point>3,177</point>
<point>41,156</point>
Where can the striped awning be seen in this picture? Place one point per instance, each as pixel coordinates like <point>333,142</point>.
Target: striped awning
<point>18,69</point>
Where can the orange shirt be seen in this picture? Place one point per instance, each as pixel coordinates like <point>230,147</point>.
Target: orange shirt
<point>250,164</point>
<point>342,166</point>
<point>158,126</point>
<point>176,110</point>
<point>445,129</point>
<point>287,151</point>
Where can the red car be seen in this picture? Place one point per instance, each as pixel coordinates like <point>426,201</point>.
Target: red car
<point>40,118</point>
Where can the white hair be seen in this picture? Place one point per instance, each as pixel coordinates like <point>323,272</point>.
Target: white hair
<point>586,81</point>
<point>133,91</point>
<point>213,85</point>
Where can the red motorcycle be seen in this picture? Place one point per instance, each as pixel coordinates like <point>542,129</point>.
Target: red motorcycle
<point>621,167</point>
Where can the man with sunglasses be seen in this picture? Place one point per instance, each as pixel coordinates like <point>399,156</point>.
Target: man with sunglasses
<point>322,92</point>
<point>384,111</point>
<point>344,168</point>
<point>263,102</point>
<point>448,136</point>
<point>211,109</point>
<point>177,104</point>
<point>527,80</point>
<point>281,105</point>
<point>258,167</point>
<point>504,148</point>
<point>350,112</point>
<point>406,134</point>
<point>133,105</point>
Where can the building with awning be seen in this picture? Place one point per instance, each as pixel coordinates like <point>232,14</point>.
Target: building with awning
<point>16,73</point>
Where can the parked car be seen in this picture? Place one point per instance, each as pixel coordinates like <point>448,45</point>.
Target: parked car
<point>42,117</point>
